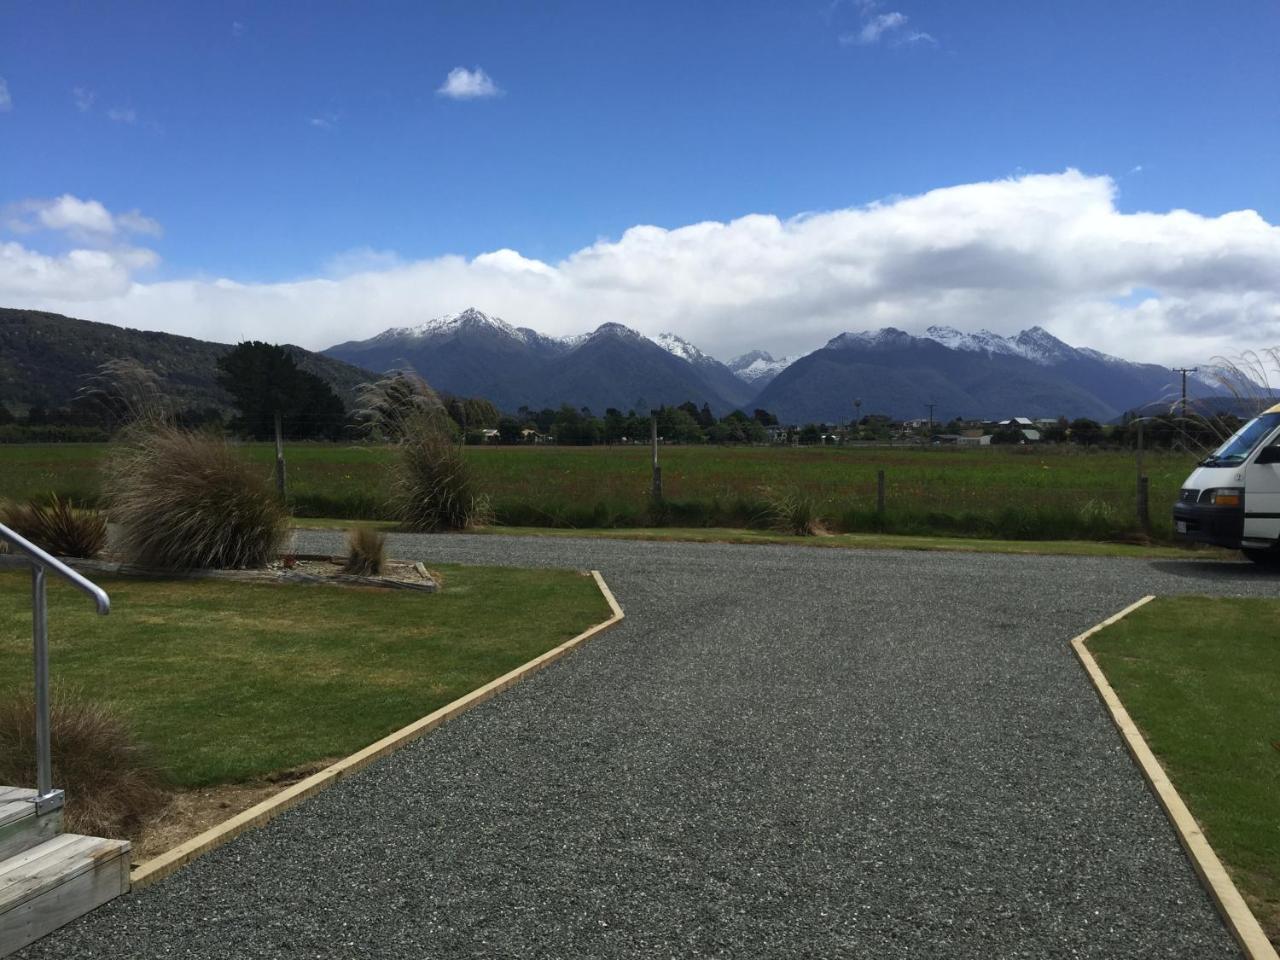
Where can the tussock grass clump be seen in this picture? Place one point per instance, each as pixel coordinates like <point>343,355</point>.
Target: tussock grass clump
<point>787,511</point>
<point>187,500</point>
<point>433,486</point>
<point>58,526</point>
<point>110,782</point>
<point>366,551</point>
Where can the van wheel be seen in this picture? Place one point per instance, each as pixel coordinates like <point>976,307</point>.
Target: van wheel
<point>1269,557</point>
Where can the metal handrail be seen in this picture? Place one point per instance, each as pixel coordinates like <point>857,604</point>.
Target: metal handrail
<point>47,798</point>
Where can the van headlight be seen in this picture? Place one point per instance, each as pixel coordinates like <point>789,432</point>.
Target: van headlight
<point>1225,497</point>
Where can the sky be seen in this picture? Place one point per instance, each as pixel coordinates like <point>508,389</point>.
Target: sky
<point>745,174</point>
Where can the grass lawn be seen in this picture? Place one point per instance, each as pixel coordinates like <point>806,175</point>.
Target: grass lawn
<point>229,681</point>
<point>1201,678</point>
<point>1015,493</point>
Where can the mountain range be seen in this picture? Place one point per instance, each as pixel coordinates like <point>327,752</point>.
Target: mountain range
<point>45,358</point>
<point>973,375</point>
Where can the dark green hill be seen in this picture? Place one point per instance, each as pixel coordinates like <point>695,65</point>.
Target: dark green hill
<point>46,357</point>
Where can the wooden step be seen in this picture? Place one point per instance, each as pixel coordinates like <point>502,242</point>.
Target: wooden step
<point>56,881</point>
<point>20,826</point>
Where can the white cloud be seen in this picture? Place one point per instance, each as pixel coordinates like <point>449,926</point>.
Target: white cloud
<point>83,98</point>
<point>237,28</point>
<point>83,220</point>
<point>890,26</point>
<point>326,121</point>
<point>126,115</point>
<point>72,213</point>
<point>132,221</point>
<point>75,278</point>
<point>1052,250</point>
<point>916,37</point>
<point>464,84</point>
<point>6,101</point>
<point>877,26</point>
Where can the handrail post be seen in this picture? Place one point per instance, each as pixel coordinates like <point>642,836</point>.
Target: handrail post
<point>47,798</point>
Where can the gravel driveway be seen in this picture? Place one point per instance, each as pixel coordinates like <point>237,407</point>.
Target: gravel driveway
<point>781,752</point>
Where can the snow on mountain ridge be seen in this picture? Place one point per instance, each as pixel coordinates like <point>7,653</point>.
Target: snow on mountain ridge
<point>682,348</point>
<point>759,367</point>
<point>884,337</point>
<point>450,323</point>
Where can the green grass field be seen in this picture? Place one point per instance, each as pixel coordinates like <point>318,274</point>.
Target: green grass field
<point>1011,493</point>
<point>1199,677</point>
<point>229,681</point>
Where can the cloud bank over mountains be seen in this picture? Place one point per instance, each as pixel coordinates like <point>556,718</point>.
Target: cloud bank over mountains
<point>1050,249</point>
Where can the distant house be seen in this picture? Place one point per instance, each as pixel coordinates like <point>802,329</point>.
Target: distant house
<point>974,438</point>
<point>1018,423</point>
<point>1031,436</point>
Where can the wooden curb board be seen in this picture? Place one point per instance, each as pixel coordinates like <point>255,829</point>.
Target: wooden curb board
<point>1235,912</point>
<point>166,863</point>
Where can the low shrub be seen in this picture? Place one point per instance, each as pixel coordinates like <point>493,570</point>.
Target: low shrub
<point>366,551</point>
<point>787,511</point>
<point>432,487</point>
<point>58,526</point>
<point>111,785</point>
<point>187,500</point>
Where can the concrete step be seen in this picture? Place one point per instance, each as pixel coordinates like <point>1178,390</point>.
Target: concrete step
<point>52,883</point>
<point>20,826</point>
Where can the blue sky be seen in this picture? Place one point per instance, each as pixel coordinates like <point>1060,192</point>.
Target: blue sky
<point>267,139</point>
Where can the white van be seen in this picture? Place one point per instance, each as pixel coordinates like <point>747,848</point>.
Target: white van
<point>1232,499</point>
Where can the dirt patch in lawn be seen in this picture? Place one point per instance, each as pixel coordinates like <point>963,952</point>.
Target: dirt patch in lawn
<point>190,813</point>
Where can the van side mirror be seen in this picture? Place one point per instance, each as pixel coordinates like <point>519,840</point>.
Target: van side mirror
<point>1269,454</point>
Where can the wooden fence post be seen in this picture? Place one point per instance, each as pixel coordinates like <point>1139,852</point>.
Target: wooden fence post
<point>279,456</point>
<point>657,470</point>
<point>879,491</point>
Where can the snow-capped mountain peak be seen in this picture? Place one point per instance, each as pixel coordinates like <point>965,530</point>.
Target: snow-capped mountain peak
<point>1035,344</point>
<point>884,337</point>
<point>984,341</point>
<point>618,330</point>
<point>469,319</point>
<point>1039,345</point>
<point>759,367</point>
<point>682,348</point>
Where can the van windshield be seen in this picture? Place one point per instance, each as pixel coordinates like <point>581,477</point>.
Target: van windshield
<point>1242,442</point>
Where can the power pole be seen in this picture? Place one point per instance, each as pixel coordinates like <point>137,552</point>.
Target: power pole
<point>931,404</point>
<point>1184,371</point>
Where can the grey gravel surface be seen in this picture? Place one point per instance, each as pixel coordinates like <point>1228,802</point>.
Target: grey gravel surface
<point>781,752</point>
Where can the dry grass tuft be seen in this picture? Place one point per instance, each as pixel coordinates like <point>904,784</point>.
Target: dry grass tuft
<point>59,526</point>
<point>787,511</point>
<point>187,500</point>
<point>434,489</point>
<point>366,551</point>
<point>110,783</point>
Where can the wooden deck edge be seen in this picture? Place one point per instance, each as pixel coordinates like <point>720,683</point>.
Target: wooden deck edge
<point>1236,914</point>
<point>166,863</point>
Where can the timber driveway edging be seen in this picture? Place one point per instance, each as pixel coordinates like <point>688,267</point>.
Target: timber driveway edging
<point>166,863</point>
<point>1226,896</point>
